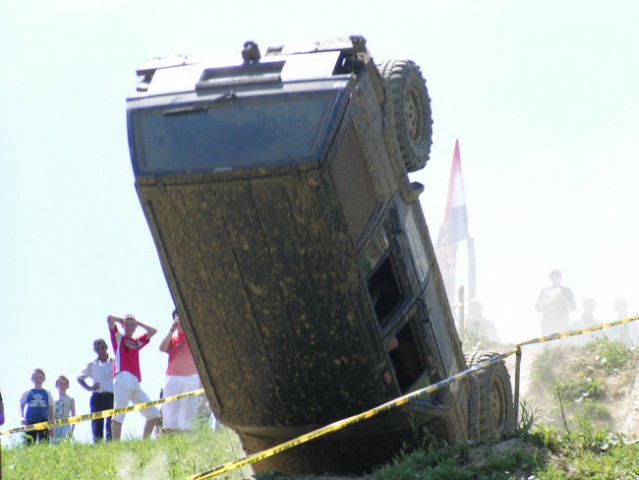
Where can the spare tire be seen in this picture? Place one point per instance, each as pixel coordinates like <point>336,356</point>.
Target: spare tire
<point>408,111</point>
<point>496,407</point>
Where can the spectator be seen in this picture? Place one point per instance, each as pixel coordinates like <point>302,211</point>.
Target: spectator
<point>555,304</point>
<point>621,307</point>
<point>100,371</point>
<point>1,423</point>
<point>479,330</point>
<point>64,408</point>
<point>181,377</point>
<point>36,406</point>
<point>587,313</point>
<point>625,333</point>
<point>587,320</point>
<point>1,410</point>
<point>391,345</point>
<point>126,371</point>
<point>158,426</point>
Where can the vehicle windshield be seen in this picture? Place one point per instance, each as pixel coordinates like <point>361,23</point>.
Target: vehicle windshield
<point>233,133</point>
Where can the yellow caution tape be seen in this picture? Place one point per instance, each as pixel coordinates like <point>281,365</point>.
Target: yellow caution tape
<point>580,331</point>
<point>340,424</point>
<point>102,414</point>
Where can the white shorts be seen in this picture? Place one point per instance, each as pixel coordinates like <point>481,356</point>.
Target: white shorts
<point>126,388</point>
<point>179,413</point>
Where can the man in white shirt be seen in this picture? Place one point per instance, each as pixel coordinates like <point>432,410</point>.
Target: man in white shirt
<point>555,304</point>
<point>100,371</point>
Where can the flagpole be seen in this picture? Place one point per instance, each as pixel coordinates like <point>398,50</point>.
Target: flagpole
<point>472,273</point>
<point>461,312</point>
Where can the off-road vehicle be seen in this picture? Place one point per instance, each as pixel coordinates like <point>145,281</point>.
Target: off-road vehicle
<point>295,248</point>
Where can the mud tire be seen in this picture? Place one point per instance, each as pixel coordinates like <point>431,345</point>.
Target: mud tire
<point>496,407</point>
<point>407,112</point>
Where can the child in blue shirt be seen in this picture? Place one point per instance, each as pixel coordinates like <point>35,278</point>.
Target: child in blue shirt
<point>36,405</point>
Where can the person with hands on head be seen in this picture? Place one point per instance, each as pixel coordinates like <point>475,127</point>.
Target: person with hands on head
<point>126,371</point>
<point>100,371</point>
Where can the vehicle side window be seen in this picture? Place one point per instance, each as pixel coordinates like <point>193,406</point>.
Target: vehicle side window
<point>406,359</point>
<point>385,290</point>
<point>416,242</point>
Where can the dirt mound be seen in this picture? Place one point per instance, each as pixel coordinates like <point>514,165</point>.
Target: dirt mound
<point>596,381</point>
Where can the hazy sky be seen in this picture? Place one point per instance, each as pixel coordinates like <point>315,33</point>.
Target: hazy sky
<point>542,96</point>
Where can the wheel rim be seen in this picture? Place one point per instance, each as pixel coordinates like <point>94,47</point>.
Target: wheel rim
<point>414,115</point>
<point>499,405</point>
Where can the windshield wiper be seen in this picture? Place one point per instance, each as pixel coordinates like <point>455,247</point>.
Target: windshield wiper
<point>186,109</point>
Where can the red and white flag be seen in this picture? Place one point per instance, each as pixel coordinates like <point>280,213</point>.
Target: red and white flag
<point>454,228</point>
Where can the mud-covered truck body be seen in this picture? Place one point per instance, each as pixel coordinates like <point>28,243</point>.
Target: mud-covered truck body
<point>295,248</point>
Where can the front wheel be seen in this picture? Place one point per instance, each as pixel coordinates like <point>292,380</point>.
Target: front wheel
<point>496,407</point>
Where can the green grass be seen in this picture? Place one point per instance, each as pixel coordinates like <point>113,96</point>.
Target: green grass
<point>539,453</point>
<point>613,354</point>
<point>168,457</point>
<point>598,356</point>
<point>536,452</point>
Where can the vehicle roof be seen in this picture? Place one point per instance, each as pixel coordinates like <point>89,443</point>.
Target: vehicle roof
<point>296,68</point>
<point>300,62</point>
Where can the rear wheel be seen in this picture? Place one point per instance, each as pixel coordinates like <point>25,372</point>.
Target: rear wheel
<point>408,112</point>
<point>496,408</point>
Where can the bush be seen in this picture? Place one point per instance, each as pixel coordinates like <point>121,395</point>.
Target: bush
<point>611,354</point>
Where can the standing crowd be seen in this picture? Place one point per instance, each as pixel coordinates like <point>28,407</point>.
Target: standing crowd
<point>115,383</point>
<point>556,302</point>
